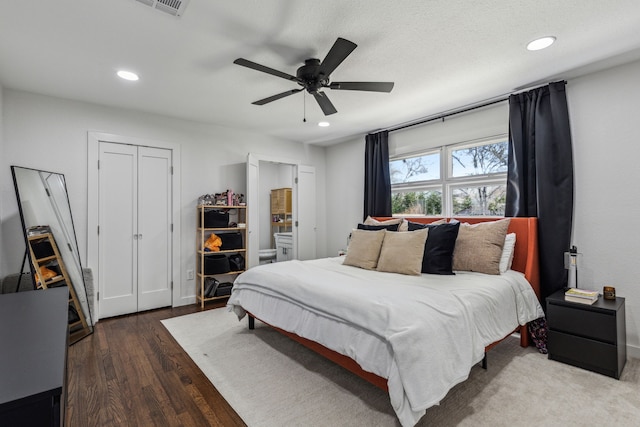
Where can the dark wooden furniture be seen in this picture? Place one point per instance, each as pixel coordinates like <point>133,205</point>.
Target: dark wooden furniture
<point>591,337</point>
<point>33,357</point>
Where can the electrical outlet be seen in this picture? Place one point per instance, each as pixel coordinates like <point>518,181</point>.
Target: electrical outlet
<point>189,274</point>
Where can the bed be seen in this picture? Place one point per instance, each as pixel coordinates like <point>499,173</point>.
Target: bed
<point>415,336</point>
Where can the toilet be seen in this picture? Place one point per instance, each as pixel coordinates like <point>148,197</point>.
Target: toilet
<point>267,256</point>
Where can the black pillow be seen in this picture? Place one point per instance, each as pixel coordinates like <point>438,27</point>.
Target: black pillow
<point>390,227</point>
<point>438,249</point>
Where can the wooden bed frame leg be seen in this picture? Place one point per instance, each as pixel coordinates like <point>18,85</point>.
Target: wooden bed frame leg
<point>524,336</point>
<point>252,322</point>
<point>484,361</point>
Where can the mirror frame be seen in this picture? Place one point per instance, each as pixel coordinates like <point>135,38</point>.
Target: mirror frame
<point>71,240</point>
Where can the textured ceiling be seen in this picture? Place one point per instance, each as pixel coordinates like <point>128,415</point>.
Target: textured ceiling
<point>441,54</point>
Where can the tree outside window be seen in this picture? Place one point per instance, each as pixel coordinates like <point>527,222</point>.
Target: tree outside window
<point>474,181</point>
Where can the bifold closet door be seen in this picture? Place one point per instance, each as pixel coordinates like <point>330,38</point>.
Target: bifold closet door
<point>134,229</point>
<point>154,228</point>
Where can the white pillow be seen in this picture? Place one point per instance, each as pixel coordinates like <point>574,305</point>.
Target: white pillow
<point>506,259</point>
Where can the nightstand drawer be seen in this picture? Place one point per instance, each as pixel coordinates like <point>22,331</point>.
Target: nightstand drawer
<point>584,353</point>
<point>585,323</point>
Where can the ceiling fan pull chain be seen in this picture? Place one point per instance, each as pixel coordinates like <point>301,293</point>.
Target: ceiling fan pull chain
<point>304,107</point>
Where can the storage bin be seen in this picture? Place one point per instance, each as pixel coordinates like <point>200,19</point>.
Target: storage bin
<point>216,264</point>
<point>231,241</point>
<point>42,249</point>
<point>214,218</point>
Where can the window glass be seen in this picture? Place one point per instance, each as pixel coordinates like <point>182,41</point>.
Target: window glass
<point>427,202</point>
<point>473,183</point>
<point>414,169</point>
<point>479,200</point>
<point>479,159</point>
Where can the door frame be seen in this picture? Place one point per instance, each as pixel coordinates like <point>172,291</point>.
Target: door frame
<point>254,225</point>
<point>93,142</point>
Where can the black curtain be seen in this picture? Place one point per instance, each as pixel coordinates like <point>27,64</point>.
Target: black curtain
<point>540,175</point>
<point>377,181</point>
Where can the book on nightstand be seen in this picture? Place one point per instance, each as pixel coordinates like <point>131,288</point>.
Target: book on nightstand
<point>581,296</point>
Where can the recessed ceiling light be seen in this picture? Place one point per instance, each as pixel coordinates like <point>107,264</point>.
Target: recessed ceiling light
<point>323,124</point>
<point>128,75</point>
<point>541,43</point>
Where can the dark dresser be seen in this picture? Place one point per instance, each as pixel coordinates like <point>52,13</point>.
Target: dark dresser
<point>33,357</point>
<point>591,337</point>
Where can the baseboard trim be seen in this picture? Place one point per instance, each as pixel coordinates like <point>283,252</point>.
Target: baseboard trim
<point>633,351</point>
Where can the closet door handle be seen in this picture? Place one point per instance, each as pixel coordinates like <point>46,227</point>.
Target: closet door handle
<point>137,237</point>
<point>140,236</point>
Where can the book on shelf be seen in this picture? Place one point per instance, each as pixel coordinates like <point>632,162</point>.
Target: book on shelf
<point>581,295</point>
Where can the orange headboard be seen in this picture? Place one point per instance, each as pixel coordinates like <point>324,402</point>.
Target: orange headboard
<point>525,256</point>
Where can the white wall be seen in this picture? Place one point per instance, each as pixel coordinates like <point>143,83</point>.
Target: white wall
<point>604,124</point>
<point>603,112</point>
<point>51,133</point>
<point>345,192</point>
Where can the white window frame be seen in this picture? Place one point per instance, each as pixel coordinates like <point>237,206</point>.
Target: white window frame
<point>447,182</point>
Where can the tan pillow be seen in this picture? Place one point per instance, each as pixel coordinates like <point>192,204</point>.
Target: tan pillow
<point>402,252</point>
<point>479,246</point>
<point>364,249</point>
<point>401,221</point>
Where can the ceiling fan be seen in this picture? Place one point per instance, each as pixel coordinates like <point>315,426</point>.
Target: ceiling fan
<point>314,75</point>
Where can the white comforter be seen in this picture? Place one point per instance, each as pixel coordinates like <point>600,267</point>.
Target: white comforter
<point>422,333</point>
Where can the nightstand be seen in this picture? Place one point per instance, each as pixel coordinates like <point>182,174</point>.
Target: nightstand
<point>591,337</point>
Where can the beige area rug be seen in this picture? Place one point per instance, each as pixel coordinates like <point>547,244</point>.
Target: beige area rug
<point>272,381</point>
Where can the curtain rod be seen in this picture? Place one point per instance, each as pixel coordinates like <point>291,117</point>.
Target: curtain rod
<point>442,116</point>
<point>464,109</point>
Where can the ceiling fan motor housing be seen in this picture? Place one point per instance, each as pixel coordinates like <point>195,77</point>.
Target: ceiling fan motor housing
<point>309,76</point>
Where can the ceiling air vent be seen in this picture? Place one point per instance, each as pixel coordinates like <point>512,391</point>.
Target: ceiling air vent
<point>172,7</point>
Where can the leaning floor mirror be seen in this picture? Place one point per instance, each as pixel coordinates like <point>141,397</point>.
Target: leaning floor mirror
<point>51,243</point>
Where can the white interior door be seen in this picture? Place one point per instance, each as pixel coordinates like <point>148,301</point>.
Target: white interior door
<point>304,196</point>
<point>135,242</point>
<point>154,228</point>
<point>253,200</point>
<point>118,212</point>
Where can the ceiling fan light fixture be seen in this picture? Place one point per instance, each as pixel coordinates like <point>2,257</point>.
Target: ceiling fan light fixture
<point>324,124</point>
<point>128,75</point>
<point>541,43</point>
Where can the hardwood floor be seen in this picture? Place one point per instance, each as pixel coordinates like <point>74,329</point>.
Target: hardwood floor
<point>131,372</point>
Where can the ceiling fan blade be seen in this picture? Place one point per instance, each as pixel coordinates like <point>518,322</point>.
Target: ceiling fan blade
<point>338,52</point>
<point>258,67</point>
<point>324,103</point>
<point>276,97</point>
<point>367,86</point>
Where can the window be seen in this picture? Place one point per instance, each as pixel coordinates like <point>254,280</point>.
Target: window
<point>459,180</point>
